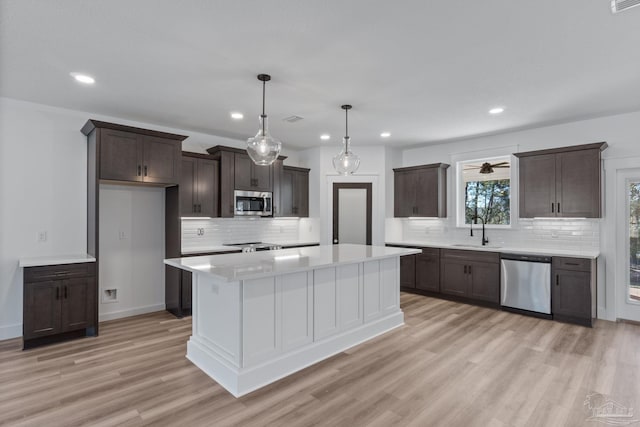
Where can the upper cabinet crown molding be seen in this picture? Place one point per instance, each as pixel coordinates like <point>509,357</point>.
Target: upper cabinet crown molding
<point>561,182</point>
<point>420,191</point>
<point>97,124</point>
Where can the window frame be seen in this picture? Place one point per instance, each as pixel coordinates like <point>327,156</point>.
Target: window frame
<point>513,193</point>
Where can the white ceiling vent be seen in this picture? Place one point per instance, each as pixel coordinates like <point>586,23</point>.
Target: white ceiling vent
<point>622,5</point>
<point>293,119</point>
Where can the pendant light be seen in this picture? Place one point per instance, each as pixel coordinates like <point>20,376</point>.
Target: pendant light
<point>263,148</point>
<point>346,162</point>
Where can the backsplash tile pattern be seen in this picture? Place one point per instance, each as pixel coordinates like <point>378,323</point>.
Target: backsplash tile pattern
<point>201,233</point>
<point>574,234</point>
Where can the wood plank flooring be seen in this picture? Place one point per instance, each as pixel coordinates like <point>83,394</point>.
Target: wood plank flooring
<point>450,365</point>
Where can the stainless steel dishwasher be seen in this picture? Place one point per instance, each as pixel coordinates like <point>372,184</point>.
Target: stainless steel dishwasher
<point>525,282</point>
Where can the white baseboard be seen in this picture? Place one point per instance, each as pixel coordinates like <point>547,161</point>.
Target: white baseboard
<point>130,312</point>
<point>10,331</point>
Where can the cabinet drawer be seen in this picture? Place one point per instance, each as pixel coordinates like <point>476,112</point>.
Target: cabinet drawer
<point>479,256</point>
<point>575,264</point>
<point>59,272</point>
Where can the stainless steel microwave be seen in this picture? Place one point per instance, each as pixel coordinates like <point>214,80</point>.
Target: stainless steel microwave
<point>253,203</point>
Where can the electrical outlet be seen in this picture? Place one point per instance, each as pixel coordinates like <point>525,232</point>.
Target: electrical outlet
<point>122,235</point>
<point>281,229</point>
<point>42,236</point>
<point>554,234</point>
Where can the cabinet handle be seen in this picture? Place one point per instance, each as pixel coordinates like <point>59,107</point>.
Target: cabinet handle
<point>572,263</point>
<point>469,269</point>
<point>199,208</point>
<point>558,207</point>
<point>57,292</point>
<point>557,280</point>
<point>465,269</point>
<point>145,170</point>
<point>553,207</point>
<point>139,170</point>
<point>65,292</point>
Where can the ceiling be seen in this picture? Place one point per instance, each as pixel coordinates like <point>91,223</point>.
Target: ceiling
<point>424,71</point>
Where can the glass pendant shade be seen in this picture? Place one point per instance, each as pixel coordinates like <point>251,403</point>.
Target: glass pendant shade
<point>346,162</point>
<point>263,148</point>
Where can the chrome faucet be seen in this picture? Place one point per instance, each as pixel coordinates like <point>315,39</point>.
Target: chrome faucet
<point>485,240</point>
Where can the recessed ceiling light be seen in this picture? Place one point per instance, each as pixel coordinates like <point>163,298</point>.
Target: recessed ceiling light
<point>325,137</point>
<point>83,78</point>
<point>385,134</point>
<point>237,116</point>
<point>496,110</point>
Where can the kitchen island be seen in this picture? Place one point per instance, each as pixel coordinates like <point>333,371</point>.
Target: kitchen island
<point>258,317</point>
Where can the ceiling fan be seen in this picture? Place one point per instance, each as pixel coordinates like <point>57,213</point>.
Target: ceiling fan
<point>487,167</point>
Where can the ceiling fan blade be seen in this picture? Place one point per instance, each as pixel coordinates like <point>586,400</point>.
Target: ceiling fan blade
<point>506,164</point>
<point>472,167</point>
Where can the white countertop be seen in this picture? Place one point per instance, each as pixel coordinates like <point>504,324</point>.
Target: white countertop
<point>225,248</point>
<point>591,254</point>
<point>55,260</point>
<point>253,265</point>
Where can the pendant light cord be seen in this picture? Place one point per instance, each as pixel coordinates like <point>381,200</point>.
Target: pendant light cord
<point>264,85</point>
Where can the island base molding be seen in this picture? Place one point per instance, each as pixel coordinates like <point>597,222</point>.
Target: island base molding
<point>242,381</point>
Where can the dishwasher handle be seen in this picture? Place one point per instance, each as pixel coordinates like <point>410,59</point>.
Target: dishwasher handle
<point>526,258</point>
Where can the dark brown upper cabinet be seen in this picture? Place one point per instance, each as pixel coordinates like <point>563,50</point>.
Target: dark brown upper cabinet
<point>238,172</point>
<point>251,177</point>
<point>199,186</point>
<point>421,191</point>
<point>132,154</point>
<point>294,192</point>
<point>561,182</point>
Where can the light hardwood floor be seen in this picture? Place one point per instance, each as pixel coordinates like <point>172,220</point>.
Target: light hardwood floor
<point>450,365</point>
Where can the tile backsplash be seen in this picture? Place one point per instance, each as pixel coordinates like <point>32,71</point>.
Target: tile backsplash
<point>573,234</point>
<point>202,233</point>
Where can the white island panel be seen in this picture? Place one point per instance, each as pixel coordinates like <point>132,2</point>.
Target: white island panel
<point>297,310</point>
<point>349,296</point>
<point>325,307</point>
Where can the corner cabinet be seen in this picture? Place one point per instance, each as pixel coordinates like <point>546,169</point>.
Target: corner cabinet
<point>573,290</point>
<point>129,154</point>
<point>60,302</point>
<point>199,186</point>
<point>294,192</point>
<point>562,182</point>
<point>420,191</point>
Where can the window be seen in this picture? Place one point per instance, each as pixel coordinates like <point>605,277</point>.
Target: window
<point>485,191</point>
<point>634,243</point>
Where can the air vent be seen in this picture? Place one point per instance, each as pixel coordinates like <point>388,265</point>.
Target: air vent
<point>622,5</point>
<point>293,119</point>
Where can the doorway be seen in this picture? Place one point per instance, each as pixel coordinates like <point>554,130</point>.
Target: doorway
<point>628,245</point>
<point>352,212</point>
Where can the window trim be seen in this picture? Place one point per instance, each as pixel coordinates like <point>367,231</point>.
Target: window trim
<point>513,199</point>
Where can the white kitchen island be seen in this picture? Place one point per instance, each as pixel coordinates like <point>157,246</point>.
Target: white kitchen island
<point>258,317</point>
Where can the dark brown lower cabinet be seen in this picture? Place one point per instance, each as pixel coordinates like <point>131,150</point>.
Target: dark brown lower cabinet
<point>408,271</point>
<point>471,275</point>
<point>59,302</point>
<point>428,270</point>
<point>573,296</point>
<point>178,292</point>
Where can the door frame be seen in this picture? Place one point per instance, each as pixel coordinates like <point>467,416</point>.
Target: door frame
<point>358,185</point>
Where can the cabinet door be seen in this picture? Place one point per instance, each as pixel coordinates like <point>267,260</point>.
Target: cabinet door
<point>485,281</point>
<point>185,290</point>
<point>302,194</point>
<point>428,270</point>
<point>287,192</point>
<point>538,186</point>
<point>120,156</point>
<point>404,194</point>
<point>578,183</point>
<point>408,271</point>
<point>261,177</point>
<point>78,296</point>
<point>188,186</point>
<point>571,293</point>
<point>242,173</point>
<point>454,279</point>
<point>207,187</point>
<point>161,160</point>
<point>426,198</point>
<point>41,309</point>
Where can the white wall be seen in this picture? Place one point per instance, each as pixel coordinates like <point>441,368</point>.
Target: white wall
<point>621,132</point>
<point>43,173</point>
<point>131,250</point>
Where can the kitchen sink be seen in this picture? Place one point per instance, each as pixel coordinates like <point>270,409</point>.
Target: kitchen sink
<point>469,245</point>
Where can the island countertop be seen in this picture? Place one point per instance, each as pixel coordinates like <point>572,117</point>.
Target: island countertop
<point>253,265</point>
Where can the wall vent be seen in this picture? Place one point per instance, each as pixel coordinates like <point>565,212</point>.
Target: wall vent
<point>622,5</point>
<point>293,119</point>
